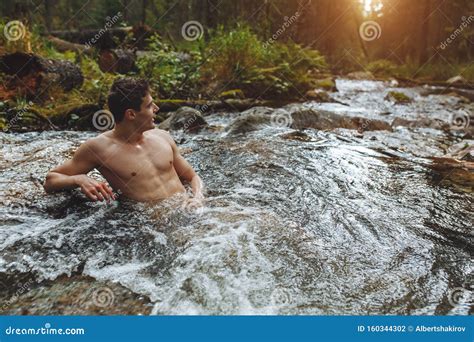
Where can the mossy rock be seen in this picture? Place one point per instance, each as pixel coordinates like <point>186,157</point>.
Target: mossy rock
<point>361,75</point>
<point>398,97</point>
<point>232,94</point>
<point>3,125</point>
<point>327,84</point>
<point>318,96</point>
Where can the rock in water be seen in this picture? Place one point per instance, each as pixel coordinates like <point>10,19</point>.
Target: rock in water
<point>185,118</point>
<point>256,118</point>
<point>324,120</point>
<point>250,120</point>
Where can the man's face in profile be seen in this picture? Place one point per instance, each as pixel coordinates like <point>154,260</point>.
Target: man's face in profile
<point>145,117</point>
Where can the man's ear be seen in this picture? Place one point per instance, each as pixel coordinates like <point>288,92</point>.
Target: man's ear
<point>130,114</point>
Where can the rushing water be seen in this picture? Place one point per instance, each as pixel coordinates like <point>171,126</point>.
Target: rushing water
<point>331,224</point>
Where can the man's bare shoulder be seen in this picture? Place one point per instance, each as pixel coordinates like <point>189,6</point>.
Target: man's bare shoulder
<point>97,144</point>
<point>162,134</point>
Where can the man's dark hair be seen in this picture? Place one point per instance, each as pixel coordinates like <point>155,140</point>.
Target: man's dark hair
<point>126,93</point>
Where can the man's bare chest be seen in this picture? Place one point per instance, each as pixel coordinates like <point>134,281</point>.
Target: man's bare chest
<point>130,163</point>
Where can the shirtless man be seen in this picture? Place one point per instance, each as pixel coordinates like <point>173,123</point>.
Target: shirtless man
<point>139,161</point>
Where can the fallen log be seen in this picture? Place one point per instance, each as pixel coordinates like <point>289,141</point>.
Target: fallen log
<point>109,38</point>
<point>100,38</point>
<point>63,45</point>
<point>117,60</point>
<point>33,76</point>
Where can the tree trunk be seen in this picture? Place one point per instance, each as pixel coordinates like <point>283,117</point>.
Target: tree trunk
<point>48,16</point>
<point>424,33</point>
<point>144,6</point>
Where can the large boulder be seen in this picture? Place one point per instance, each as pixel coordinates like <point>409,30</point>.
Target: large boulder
<point>250,120</point>
<point>185,118</point>
<point>421,123</point>
<point>324,120</point>
<point>256,118</point>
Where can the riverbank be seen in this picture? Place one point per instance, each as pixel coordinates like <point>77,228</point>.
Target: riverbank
<point>49,84</point>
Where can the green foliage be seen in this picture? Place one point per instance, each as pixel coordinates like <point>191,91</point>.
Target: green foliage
<point>241,60</point>
<point>233,54</point>
<point>169,72</point>
<point>382,68</point>
<point>96,83</point>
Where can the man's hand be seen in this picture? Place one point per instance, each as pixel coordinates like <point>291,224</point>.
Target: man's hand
<point>93,189</point>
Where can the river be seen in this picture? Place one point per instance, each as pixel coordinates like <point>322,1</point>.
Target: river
<point>320,223</point>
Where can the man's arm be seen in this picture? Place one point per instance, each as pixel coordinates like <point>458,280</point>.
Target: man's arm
<point>73,174</point>
<point>185,170</point>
